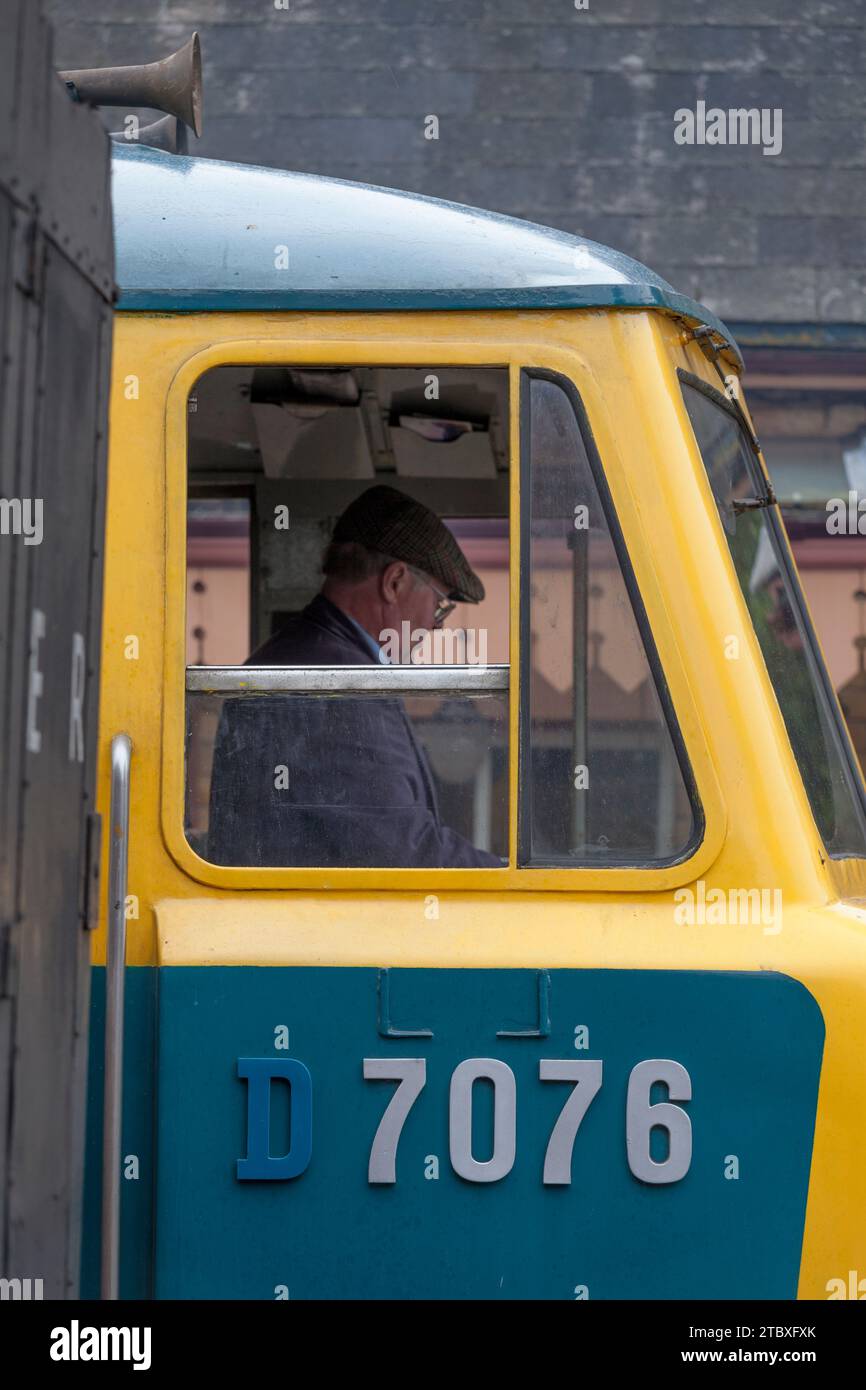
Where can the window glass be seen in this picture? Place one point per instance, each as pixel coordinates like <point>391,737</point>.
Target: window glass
<point>602,781</point>
<point>809,409</point>
<point>341,518</point>
<point>218,580</point>
<point>341,781</point>
<point>775,604</point>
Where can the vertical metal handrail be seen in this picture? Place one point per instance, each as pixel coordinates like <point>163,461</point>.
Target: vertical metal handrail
<point>115,969</point>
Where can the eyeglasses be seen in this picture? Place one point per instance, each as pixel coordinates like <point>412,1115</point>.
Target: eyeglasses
<point>444,607</point>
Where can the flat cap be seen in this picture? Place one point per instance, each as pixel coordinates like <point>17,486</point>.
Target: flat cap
<point>387,520</point>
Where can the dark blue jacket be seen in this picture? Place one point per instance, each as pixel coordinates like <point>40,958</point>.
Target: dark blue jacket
<point>360,793</point>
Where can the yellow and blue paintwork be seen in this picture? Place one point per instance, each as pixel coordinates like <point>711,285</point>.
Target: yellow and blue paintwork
<point>771,1025</point>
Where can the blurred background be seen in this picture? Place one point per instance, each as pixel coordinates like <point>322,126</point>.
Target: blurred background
<point>566,116</point>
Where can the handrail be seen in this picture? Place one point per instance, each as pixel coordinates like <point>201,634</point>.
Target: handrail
<point>379,680</point>
<point>115,979</point>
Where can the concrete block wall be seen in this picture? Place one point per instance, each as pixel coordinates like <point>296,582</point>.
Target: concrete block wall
<point>557,114</point>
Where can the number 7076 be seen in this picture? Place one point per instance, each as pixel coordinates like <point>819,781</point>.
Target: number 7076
<point>585,1078</point>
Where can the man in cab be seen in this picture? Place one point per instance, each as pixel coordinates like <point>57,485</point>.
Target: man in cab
<point>342,781</point>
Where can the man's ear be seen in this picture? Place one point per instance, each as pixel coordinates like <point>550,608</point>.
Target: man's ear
<point>391,580</point>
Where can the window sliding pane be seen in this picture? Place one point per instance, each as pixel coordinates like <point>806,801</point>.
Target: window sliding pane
<point>602,783</point>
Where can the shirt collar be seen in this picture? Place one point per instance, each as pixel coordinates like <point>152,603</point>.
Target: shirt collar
<point>369,642</point>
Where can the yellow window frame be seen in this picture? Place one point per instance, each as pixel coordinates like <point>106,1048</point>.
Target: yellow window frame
<point>398,345</point>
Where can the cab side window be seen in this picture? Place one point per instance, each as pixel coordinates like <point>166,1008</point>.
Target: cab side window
<point>604,779</point>
<point>348,603</point>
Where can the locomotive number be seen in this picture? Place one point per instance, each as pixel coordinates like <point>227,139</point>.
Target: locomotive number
<point>642,1117</point>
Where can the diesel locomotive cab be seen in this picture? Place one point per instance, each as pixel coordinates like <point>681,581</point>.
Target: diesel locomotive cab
<point>574,864</point>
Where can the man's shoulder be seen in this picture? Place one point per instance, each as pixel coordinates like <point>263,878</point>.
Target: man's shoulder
<point>320,635</point>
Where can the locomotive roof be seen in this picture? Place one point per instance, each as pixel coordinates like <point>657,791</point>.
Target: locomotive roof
<point>202,234</point>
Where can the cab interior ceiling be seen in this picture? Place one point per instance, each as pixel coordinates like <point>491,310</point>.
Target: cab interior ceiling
<point>321,435</point>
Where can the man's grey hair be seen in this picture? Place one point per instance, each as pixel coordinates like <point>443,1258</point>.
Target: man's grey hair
<point>352,563</point>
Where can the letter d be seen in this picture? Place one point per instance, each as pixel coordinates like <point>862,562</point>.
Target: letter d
<point>259,1072</point>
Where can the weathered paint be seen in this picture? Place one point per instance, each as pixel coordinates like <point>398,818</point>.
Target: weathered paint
<point>202,234</point>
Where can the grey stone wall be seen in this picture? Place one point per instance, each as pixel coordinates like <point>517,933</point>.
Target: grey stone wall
<point>559,115</point>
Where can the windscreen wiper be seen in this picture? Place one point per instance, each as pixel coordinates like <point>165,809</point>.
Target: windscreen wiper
<point>753,504</point>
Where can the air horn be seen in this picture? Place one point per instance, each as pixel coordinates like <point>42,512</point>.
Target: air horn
<point>172,85</point>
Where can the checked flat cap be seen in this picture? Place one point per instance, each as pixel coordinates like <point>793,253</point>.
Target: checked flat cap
<point>387,520</point>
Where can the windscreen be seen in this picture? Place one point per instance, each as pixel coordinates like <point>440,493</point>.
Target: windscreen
<point>775,603</point>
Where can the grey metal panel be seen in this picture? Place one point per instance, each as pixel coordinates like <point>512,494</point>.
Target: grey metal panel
<point>54,154</point>
<point>24,135</point>
<point>52,824</point>
<point>5,1080</point>
<point>17,454</point>
<point>76,189</point>
<point>7,456</point>
<point>55,334</point>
